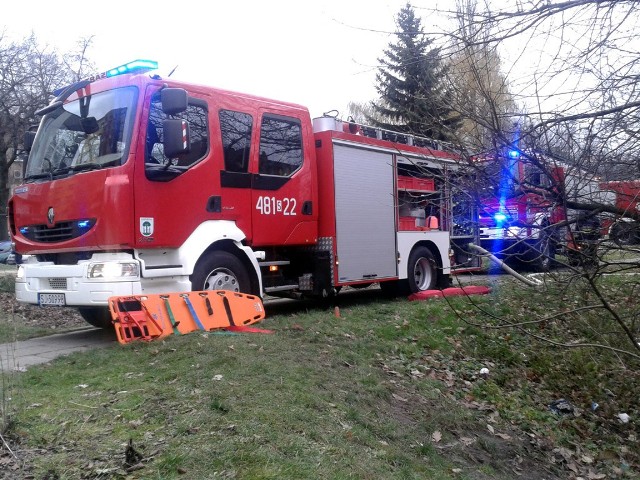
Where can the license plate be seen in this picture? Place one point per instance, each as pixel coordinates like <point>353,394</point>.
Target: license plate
<point>56,299</point>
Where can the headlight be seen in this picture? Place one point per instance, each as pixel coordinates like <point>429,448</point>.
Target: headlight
<point>20,274</point>
<point>113,270</point>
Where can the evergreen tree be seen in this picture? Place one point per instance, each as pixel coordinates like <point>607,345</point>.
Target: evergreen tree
<point>411,84</point>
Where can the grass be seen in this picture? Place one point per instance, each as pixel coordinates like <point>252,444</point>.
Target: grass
<point>389,389</point>
<point>6,280</point>
<point>307,402</point>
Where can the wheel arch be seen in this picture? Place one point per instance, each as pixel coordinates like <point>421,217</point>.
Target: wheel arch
<point>437,242</point>
<point>442,280</point>
<point>221,235</point>
<point>242,253</point>
<point>431,246</point>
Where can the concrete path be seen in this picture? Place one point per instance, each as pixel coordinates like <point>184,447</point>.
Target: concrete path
<point>18,356</point>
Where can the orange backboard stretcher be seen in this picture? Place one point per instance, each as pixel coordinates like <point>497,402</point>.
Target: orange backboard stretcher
<point>148,317</point>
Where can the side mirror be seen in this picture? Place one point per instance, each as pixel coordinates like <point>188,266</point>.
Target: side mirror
<point>177,137</point>
<point>28,139</point>
<point>174,100</point>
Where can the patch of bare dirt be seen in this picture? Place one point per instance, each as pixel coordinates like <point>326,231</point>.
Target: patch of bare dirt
<point>485,448</point>
<point>56,318</point>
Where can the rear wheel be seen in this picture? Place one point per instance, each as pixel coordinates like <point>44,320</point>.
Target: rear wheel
<point>220,270</point>
<point>422,270</point>
<point>97,316</point>
<point>625,233</point>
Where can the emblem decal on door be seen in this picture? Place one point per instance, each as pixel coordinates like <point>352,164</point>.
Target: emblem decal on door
<point>146,226</point>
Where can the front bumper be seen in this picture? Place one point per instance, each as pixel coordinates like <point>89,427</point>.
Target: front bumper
<point>73,281</point>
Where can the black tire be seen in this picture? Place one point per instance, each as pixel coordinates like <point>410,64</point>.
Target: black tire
<point>219,270</point>
<point>97,316</point>
<point>422,270</point>
<point>624,233</point>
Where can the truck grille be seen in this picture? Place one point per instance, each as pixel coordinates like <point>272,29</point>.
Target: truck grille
<point>58,283</point>
<point>60,232</point>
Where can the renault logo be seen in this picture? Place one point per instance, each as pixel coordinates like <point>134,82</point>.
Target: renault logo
<point>51,215</point>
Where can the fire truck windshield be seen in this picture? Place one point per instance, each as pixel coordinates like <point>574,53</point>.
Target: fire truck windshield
<point>90,133</point>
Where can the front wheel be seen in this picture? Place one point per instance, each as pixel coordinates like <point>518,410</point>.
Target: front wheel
<point>422,270</point>
<point>97,316</point>
<point>220,270</point>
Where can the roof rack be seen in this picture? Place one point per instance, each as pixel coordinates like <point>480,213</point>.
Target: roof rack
<point>325,123</point>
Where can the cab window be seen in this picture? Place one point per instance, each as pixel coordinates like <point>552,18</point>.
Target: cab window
<point>280,146</point>
<point>196,116</point>
<point>235,129</point>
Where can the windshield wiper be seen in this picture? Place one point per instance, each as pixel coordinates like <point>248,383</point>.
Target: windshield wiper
<point>85,166</point>
<point>50,174</point>
<point>36,176</point>
<point>60,171</point>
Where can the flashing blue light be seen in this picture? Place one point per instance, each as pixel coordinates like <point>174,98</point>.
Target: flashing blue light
<point>135,66</point>
<point>513,154</point>
<point>24,230</point>
<point>84,223</point>
<point>499,217</point>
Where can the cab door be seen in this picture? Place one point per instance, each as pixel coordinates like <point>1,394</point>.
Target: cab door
<point>171,195</point>
<point>283,182</point>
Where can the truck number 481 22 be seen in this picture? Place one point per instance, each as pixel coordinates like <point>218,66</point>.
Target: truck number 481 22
<point>274,206</point>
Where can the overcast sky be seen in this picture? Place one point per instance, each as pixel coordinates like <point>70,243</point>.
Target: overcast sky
<point>318,54</point>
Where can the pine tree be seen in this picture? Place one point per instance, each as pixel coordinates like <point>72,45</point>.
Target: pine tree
<point>411,84</point>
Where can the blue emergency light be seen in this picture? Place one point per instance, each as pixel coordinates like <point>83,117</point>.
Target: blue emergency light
<point>131,67</point>
<point>513,153</point>
<point>135,66</point>
<point>499,217</point>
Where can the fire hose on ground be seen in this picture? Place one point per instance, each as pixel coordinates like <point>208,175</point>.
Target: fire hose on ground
<point>504,266</point>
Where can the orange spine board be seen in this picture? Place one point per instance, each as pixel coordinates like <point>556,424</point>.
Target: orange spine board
<point>146,317</point>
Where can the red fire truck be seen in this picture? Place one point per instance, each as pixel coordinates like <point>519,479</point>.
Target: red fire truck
<point>625,195</point>
<point>521,216</point>
<point>137,184</point>
<point>515,213</point>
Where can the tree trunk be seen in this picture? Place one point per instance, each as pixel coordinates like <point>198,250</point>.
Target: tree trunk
<point>4,195</point>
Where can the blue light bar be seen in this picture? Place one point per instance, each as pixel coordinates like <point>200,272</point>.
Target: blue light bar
<point>135,66</point>
<point>131,67</point>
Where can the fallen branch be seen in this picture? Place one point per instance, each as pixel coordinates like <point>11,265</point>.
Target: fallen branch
<point>6,445</point>
<point>504,266</point>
